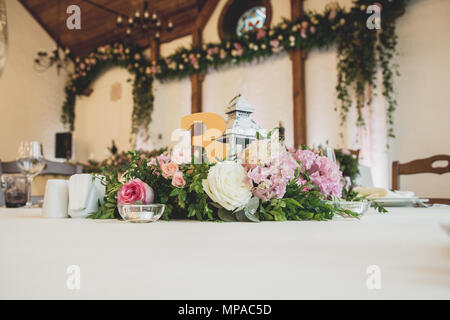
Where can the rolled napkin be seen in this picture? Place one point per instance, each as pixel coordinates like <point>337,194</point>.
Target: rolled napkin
<point>371,192</point>
<point>377,193</point>
<point>85,192</point>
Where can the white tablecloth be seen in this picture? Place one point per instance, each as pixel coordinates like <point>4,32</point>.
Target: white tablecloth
<point>200,260</point>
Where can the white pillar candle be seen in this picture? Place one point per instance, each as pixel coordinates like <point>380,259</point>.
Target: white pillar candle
<point>56,199</point>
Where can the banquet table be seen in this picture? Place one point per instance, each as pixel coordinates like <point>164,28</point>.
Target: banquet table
<point>213,260</point>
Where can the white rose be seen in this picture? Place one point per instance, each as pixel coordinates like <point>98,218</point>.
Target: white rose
<point>226,185</point>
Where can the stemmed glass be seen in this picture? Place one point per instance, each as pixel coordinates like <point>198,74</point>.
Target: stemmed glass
<point>330,154</point>
<point>31,162</point>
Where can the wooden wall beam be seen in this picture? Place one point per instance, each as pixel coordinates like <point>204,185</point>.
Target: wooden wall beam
<point>298,82</point>
<point>197,78</point>
<point>155,50</point>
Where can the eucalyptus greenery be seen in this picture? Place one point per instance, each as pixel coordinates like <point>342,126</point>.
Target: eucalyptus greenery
<point>360,52</point>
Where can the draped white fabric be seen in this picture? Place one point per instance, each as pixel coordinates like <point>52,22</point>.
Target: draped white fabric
<point>200,260</point>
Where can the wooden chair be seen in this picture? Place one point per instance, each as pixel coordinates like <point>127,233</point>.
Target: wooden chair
<point>355,152</point>
<point>420,166</point>
<point>2,195</point>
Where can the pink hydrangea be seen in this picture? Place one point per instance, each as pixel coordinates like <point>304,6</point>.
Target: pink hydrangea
<point>322,171</point>
<point>270,180</point>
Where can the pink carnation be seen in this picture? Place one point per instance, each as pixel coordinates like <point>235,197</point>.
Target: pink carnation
<point>161,159</point>
<point>169,169</point>
<point>178,180</point>
<point>135,190</point>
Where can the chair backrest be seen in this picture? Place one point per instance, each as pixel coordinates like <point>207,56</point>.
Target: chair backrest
<point>419,166</point>
<point>51,167</point>
<point>355,152</point>
<point>2,195</point>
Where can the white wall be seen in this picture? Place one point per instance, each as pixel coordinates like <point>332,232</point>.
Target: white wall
<point>99,119</point>
<point>30,102</point>
<point>423,117</point>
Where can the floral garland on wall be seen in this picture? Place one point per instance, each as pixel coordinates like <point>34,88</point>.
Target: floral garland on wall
<point>360,51</point>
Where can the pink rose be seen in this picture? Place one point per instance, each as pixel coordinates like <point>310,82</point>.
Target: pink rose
<point>135,190</point>
<point>332,15</point>
<point>303,33</point>
<point>238,49</point>
<point>260,34</point>
<point>178,180</point>
<point>169,169</point>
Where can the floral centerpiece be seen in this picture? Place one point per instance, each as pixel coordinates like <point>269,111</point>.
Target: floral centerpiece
<point>261,185</point>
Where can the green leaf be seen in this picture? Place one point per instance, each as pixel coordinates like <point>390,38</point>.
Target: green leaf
<point>251,217</point>
<point>218,206</point>
<point>226,215</point>
<point>251,209</point>
<point>240,216</point>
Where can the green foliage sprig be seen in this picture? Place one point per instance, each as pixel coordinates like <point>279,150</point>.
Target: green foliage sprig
<point>348,164</point>
<point>118,162</point>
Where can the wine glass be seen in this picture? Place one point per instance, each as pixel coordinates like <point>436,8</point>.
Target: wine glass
<point>31,162</point>
<point>330,154</point>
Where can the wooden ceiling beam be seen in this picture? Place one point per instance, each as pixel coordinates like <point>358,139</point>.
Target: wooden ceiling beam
<point>197,35</point>
<point>205,14</point>
<point>98,26</point>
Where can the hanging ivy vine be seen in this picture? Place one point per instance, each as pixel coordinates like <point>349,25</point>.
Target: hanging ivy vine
<point>118,54</point>
<point>360,52</point>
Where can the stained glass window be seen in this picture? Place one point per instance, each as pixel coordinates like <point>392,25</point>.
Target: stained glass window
<point>251,19</point>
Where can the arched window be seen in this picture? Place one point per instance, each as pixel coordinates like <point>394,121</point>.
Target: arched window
<point>251,19</point>
<point>239,17</point>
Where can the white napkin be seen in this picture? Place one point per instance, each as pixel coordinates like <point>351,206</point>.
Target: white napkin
<point>85,191</point>
<point>371,192</point>
<point>381,193</point>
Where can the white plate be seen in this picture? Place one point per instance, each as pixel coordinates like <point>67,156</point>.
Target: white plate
<point>399,202</point>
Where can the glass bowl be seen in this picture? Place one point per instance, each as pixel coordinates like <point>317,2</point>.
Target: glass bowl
<point>360,207</point>
<point>141,213</point>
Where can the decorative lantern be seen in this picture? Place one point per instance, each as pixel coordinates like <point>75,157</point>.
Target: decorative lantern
<point>241,129</point>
